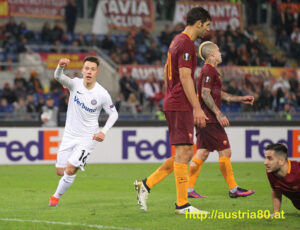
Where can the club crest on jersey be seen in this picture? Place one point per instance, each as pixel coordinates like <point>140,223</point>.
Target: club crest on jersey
<point>207,79</point>
<point>111,106</point>
<point>94,102</point>
<point>186,56</point>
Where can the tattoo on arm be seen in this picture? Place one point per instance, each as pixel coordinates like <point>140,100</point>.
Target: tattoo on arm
<point>229,97</point>
<point>209,101</point>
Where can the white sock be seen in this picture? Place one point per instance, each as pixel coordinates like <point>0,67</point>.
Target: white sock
<point>65,182</point>
<point>234,189</point>
<point>190,189</point>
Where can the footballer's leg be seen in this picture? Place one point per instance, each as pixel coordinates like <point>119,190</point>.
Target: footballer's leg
<point>194,170</point>
<point>226,169</point>
<point>183,154</point>
<point>64,184</point>
<point>143,187</point>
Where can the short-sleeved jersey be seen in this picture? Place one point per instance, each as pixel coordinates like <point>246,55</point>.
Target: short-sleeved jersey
<point>181,53</point>
<point>210,78</point>
<point>84,107</point>
<point>289,185</point>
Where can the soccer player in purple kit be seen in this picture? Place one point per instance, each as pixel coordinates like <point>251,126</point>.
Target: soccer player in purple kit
<point>213,136</point>
<point>283,175</point>
<point>182,110</point>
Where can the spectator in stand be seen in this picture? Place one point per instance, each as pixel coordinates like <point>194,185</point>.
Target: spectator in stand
<point>11,28</point>
<point>166,36</point>
<point>34,84</point>
<point>153,53</point>
<point>57,31</point>
<point>296,34</point>
<point>70,15</point>
<point>284,41</point>
<point>107,43</point>
<point>46,34</point>
<point>128,85</point>
<point>40,104</point>
<point>23,31</point>
<point>49,115</point>
<point>289,20</point>
<point>134,104</point>
<point>8,93</point>
<point>20,90</point>
<point>81,40</point>
<point>19,77</point>
<point>94,41</point>
<point>5,107</point>
<point>63,102</point>
<point>152,92</point>
<point>294,83</point>
<point>20,108</point>
<point>30,106</point>
<point>22,45</point>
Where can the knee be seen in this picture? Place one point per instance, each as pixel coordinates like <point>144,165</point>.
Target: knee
<point>71,171</point>
<point>60,171</point>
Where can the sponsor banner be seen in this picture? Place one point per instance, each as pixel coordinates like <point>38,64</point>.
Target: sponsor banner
<point>139,145</point>
<point>123,15</point>
<point>295,7</point>
<point>37,8</point>
<point>51,59</point>
<point>223,13</point>
<point>4,9</point>
<point>141,72</point>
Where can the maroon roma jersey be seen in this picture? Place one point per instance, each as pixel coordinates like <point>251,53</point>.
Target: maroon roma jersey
<point>181,53</point>
<point>289,185</point>
<point>210,78</point>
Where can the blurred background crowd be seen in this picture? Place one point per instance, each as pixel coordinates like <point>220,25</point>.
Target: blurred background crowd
<point>246,45</point>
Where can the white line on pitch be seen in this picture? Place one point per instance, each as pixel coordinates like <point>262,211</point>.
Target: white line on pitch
<point>67,223</point>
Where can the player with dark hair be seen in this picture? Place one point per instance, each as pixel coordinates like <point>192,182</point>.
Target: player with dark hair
<point>182,110</point>
<point>213,136</point>
<point>87,98</point>
<point>283,175</point>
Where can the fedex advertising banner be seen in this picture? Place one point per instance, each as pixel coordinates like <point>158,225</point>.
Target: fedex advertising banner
<point>139,145</point>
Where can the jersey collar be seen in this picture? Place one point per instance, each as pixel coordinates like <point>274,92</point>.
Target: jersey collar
<point>290,167</point>
<point>209,64</point>
<point>187,35</point>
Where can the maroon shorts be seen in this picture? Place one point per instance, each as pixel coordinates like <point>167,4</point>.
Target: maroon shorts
<point>296,203</point>
<point>181,127</point>
<point>212,137</point>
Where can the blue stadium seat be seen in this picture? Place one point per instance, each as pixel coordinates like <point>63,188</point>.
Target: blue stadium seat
<point>2,56</point>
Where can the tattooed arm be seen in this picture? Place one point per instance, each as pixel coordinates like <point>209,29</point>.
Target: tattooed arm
<point>232,98</point>
<point>209,101</point>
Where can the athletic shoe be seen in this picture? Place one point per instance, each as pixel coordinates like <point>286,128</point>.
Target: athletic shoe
<point>142,194</point>
<point>187,208</point>
<point>194,194</point>
<point>240,192</point>
<point>53,201</point>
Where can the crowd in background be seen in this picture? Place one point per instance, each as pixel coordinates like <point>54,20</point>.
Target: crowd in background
<point>238,47</point>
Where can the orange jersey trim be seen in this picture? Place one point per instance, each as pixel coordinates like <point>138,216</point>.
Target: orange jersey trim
<point>290,167</point>
<point>209,64</point>
<point>187,34</point>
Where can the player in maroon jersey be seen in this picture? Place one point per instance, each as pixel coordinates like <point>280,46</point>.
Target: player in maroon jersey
<point>283,175</point>
<point>182,110</point>
<point>213,136</point>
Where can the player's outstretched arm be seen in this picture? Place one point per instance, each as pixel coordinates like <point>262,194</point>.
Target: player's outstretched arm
<point>232,98</point>
<point>60,76</point>
<point>210,103</point>
<point>276,199</point>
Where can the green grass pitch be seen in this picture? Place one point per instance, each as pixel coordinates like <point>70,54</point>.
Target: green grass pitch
<point>103,197</point>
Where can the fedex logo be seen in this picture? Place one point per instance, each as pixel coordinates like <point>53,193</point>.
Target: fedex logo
<point>253,139</point>
<point>143,148</point>
<point>16,150</point>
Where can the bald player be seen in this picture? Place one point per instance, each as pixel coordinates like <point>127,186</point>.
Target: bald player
<point>213,136</point>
